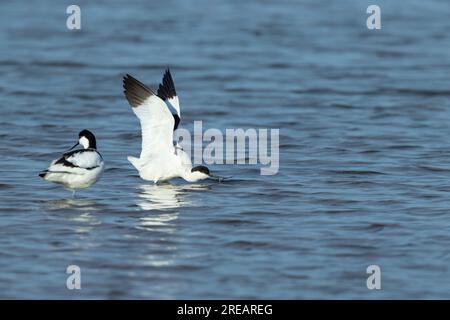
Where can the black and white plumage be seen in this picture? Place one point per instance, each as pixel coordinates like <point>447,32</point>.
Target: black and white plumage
<point>159,115</point>
<point>168,94</point>
<point>77,169</point>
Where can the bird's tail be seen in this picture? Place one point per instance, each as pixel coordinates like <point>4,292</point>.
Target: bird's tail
<point>135,162</point>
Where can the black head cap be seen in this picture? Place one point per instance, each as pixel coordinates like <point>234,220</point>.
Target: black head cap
<point>201,169</point>
<point>90,136</point>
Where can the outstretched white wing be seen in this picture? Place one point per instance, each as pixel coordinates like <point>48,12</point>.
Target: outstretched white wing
<point>156,120</point>
<point>168,94</point>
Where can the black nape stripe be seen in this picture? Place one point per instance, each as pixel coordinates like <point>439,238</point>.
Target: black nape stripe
<point>167,90</point>
<point>91,138</point>
<point>202,169</point>
<point>135,91</point>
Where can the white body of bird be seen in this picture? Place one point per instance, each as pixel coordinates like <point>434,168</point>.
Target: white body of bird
<point>159,116</point>
<point>89,167</point>
<point>77,169</point>
<point>175,164</point>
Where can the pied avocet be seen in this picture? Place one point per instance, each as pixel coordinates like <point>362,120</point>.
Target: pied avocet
<point>159,115</point>
<point>77,169</point>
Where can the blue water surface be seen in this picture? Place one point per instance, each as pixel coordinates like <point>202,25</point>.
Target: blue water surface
<point>364,175</point>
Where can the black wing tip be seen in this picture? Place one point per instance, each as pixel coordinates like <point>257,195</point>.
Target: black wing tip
<point>166,89</point>
<point>43,174</point>
<point>135,91</point>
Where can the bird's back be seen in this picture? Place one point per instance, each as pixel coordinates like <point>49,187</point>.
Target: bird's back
<point>162,167</point>
<point>77,169</point>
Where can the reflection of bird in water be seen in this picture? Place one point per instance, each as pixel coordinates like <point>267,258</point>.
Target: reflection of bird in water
<point>80,211</point>
<point>163,197</point>
<point>77,204</point>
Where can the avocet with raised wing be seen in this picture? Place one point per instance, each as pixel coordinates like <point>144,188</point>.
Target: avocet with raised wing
<point>77,169</point>
<point>159,115</point>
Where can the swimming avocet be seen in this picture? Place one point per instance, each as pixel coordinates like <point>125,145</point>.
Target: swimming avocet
<point>159,115</point>
<point>77,169</point>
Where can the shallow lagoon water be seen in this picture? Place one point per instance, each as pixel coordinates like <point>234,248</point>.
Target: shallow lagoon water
<point>364,152</point>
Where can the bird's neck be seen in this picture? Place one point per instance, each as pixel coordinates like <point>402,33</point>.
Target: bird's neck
<point>189,176</point>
